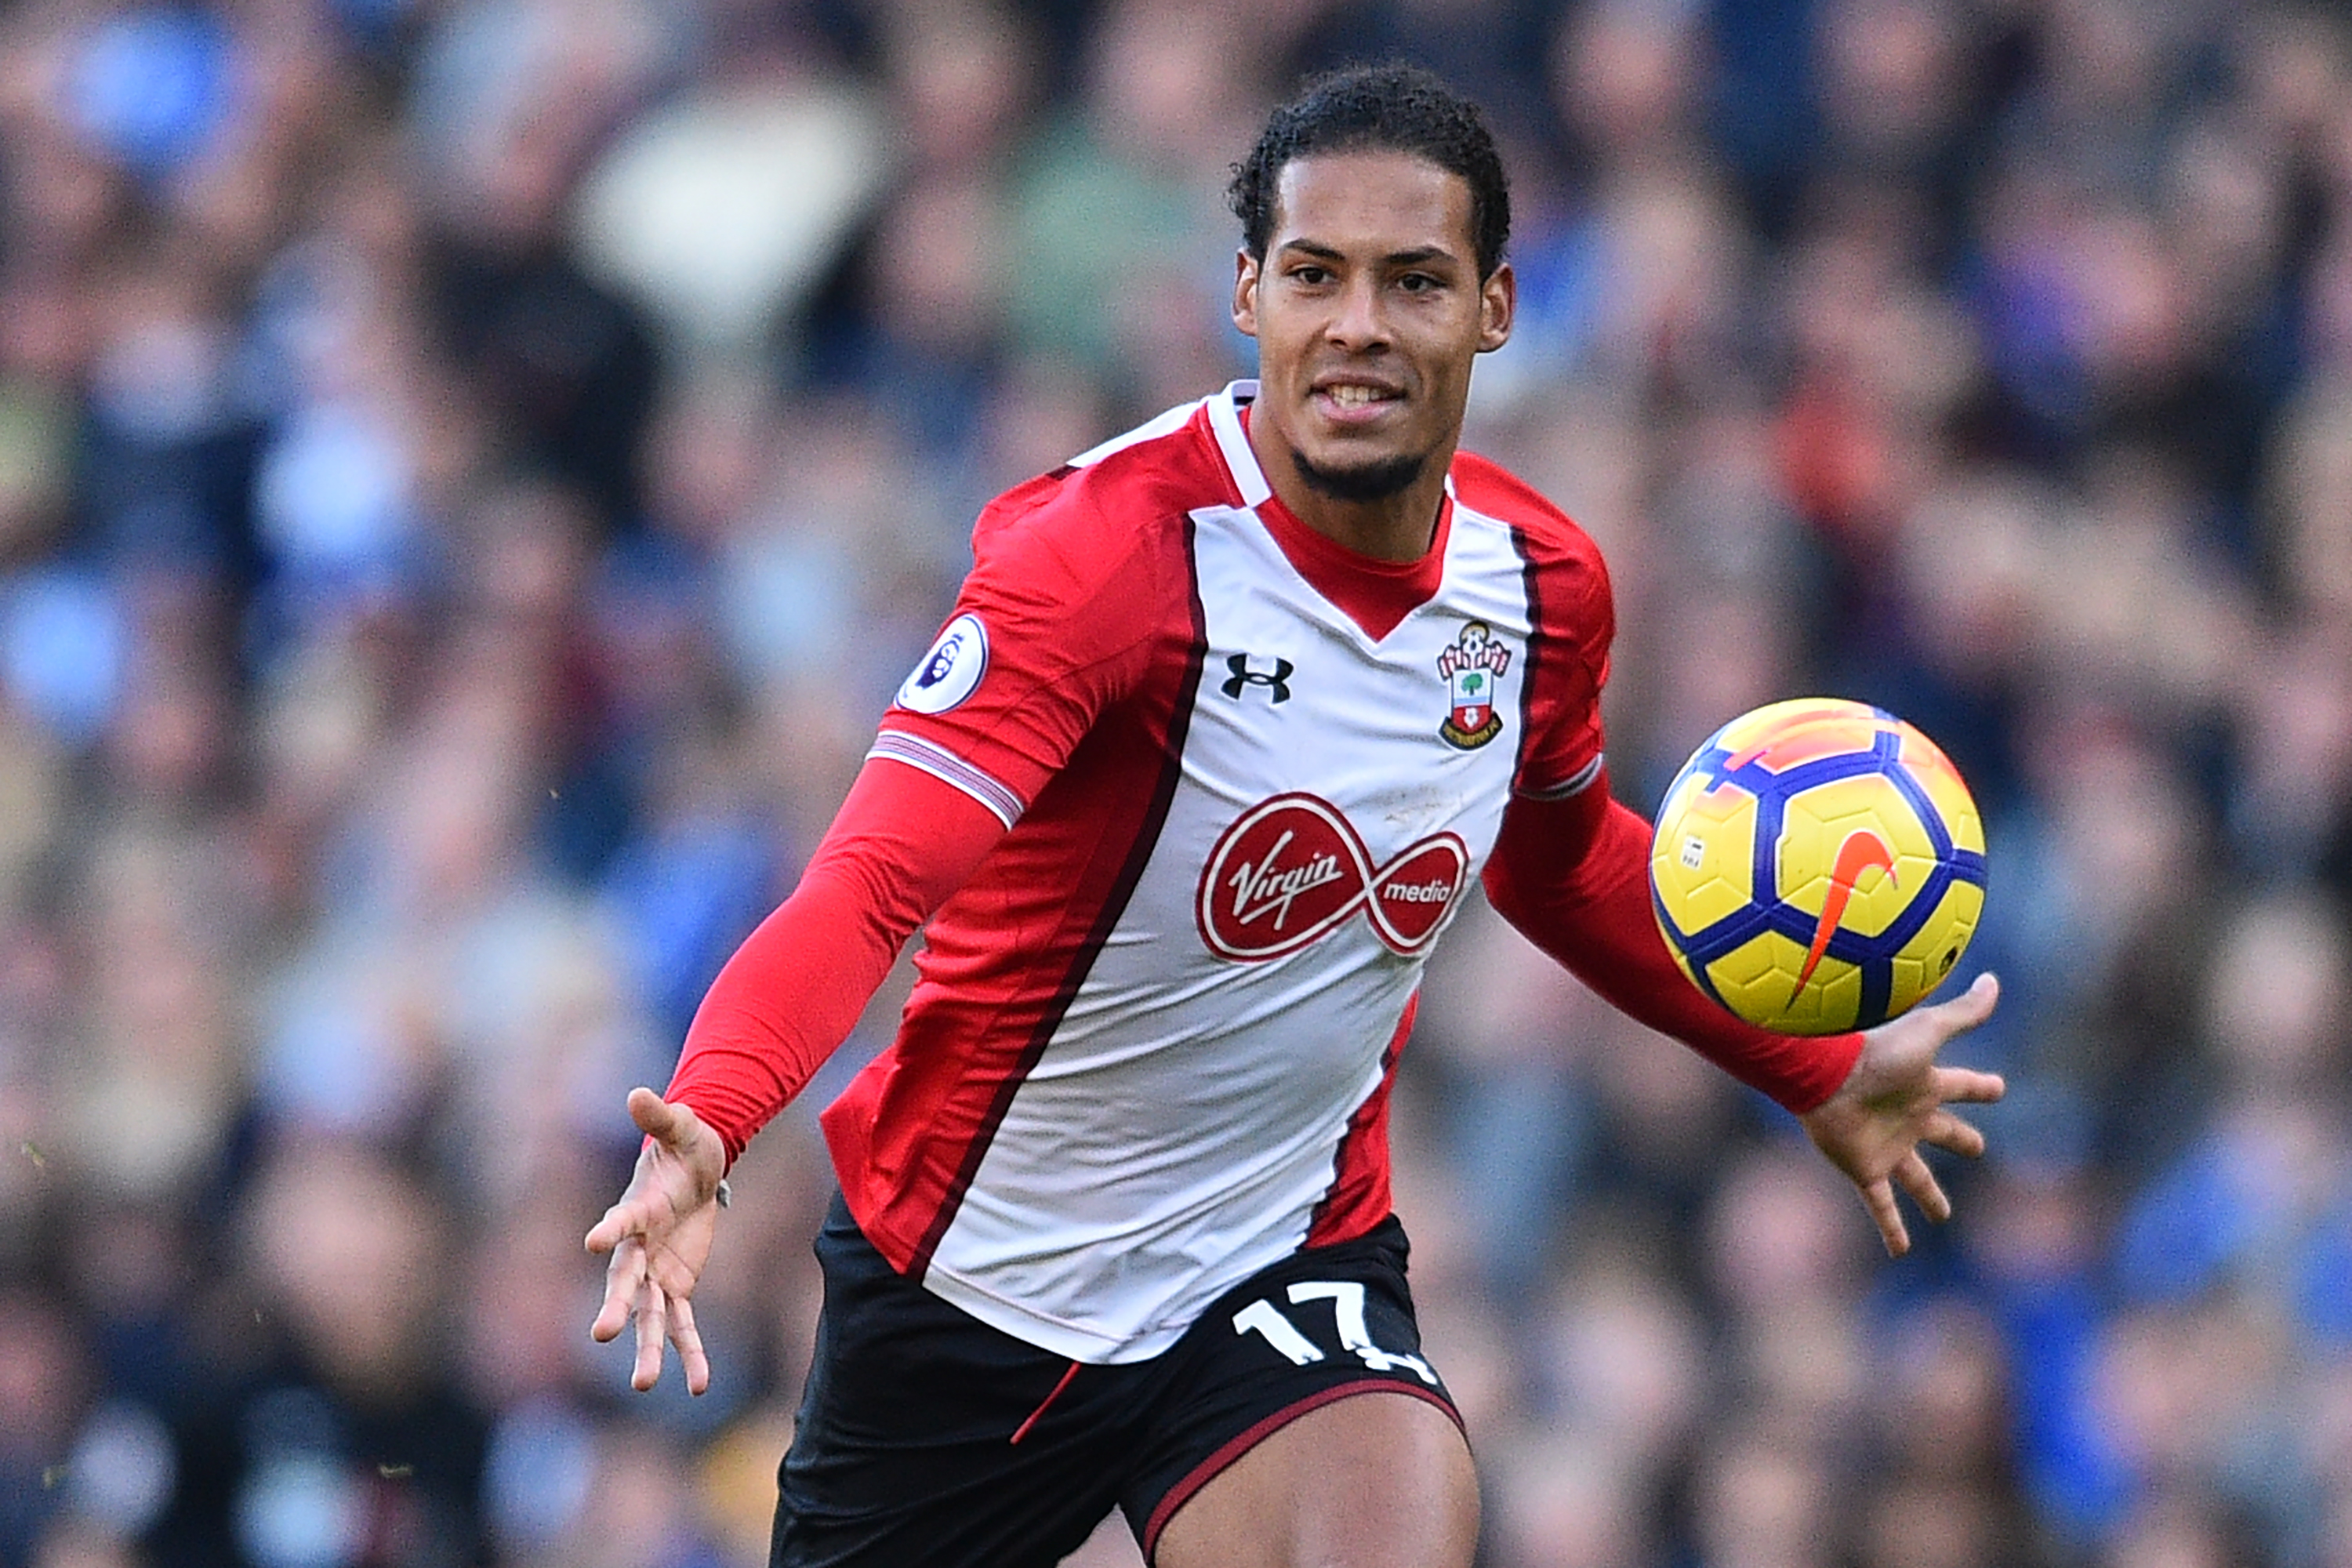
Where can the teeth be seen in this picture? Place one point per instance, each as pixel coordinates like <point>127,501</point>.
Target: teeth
<point>1355,396</point>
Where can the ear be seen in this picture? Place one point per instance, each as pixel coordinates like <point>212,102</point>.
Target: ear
<point>1499,301</point>
<point>1245,276</point>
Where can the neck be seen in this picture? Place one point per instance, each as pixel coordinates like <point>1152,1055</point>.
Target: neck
<point>1396,527</point>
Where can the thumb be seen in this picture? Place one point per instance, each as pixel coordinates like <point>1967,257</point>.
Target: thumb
<point>1974,1005</point>
<point>657,1118</point>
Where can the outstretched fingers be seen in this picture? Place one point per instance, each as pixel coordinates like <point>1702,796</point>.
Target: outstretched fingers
<point>633,1290</point>
<point>629,1217</point>
<point>1918,1180</point>
<point>624,1277</point>
<point>1968,1086</point>
<point>1898,1099</point>
<point>1953,1135</point>
<point>653,1326</point>
<point>688,1340</point>
<point>1879,1197</point>
<point>658,1236</point>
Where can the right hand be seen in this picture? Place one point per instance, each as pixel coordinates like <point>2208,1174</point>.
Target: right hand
<point>659,1236</point>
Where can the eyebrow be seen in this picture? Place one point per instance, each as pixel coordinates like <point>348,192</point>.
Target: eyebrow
<point>1419,256</point>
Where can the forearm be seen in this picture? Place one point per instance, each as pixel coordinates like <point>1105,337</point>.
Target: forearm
<point>1573,876</point>
<point>900,845</point>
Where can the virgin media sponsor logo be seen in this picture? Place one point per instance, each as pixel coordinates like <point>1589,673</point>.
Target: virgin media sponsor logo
<point>1293,868</point>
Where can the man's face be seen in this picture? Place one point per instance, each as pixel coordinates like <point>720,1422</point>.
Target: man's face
<point>1368,311</point>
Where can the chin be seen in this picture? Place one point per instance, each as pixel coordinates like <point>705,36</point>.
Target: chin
<point>1362,478</point>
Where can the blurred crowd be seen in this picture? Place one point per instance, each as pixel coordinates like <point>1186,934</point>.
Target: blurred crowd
<point>472,471</point>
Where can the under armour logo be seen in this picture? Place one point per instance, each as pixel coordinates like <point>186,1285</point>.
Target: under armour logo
<point>1244,676</point>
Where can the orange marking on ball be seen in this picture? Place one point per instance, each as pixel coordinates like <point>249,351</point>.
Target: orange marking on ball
<point>1861,851</point>
<point>1825,732</point>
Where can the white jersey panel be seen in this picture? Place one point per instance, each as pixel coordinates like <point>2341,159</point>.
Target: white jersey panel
<point>1337,795</point>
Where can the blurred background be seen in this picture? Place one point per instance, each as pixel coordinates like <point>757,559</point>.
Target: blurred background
<point>472,471</point>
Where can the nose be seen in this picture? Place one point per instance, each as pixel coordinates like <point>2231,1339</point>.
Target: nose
<point>1358,324</point>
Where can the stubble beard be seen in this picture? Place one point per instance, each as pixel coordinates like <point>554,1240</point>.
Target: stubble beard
<point>1377,480</point>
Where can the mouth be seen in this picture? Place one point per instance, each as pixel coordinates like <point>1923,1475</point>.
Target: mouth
<point>1354,401</point>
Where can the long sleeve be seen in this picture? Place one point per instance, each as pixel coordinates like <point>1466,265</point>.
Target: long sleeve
<point>1572,875</point>
<point>902,842</point>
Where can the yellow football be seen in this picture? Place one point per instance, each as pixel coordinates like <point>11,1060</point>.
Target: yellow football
<point>1818,865</point>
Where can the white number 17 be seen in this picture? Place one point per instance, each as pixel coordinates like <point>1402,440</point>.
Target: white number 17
<point>1263,1318</point>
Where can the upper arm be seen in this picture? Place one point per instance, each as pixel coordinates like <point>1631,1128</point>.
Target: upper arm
<point>1575,624</point>
<point>1051,628</point>
<point>1542,853</point>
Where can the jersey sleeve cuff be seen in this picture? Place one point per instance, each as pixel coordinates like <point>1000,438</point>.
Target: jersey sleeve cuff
<point>944,766</point>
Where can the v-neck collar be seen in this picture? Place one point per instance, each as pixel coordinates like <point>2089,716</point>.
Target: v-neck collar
<point>1375,595</point>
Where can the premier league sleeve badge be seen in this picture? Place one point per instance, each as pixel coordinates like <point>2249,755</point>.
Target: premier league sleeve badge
<point>950,671</point>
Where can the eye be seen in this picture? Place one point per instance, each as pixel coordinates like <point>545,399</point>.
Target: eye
<point>1418,283</point>
<point>1307,272</point>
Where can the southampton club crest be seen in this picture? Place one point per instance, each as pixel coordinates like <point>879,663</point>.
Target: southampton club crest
<point>1472,667</point>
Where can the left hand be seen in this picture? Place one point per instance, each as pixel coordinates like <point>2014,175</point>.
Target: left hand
<point>1895,1099</point>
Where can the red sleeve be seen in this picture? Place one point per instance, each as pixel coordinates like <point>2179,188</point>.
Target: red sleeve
<point>1054,625</point>
<point>1572,874</point>
<point>902,842</point>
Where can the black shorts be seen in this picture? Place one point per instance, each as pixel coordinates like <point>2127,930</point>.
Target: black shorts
<point>927,1439</point>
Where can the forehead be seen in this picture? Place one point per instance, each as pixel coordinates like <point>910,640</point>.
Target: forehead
<point>1381,199</point>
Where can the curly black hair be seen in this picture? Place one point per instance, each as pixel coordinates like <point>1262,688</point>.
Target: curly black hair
<point>1389,107</point>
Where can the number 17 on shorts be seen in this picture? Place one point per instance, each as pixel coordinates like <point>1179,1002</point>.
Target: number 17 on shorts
<point>1277,1328</point>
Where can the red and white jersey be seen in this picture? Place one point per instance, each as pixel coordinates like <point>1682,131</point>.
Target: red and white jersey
<point>1249,778</point>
